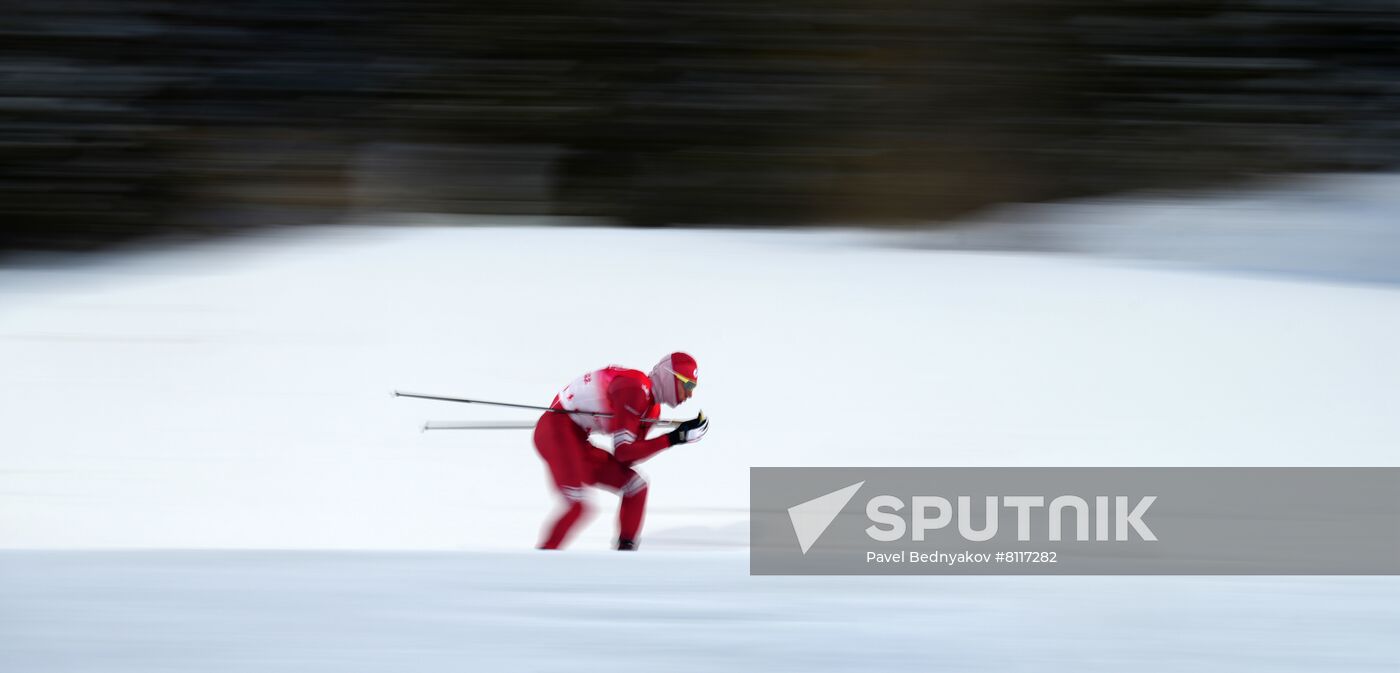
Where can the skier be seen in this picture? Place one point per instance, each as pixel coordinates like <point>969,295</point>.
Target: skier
<point>619,400</point>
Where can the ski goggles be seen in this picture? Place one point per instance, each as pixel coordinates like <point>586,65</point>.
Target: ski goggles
<point>687,383</point>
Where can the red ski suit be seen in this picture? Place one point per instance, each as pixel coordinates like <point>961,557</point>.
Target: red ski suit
<point>562,441</point>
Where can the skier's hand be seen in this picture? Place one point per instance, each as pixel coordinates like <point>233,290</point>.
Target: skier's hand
<point>690,431</point>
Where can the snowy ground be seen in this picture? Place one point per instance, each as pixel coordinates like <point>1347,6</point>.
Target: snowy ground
<point>239,395</point>
<point>1322,227</point>
<point>340,612</point>
<point>236,396</point>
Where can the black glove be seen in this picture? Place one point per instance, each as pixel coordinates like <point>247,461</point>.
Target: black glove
<point>689,431</point>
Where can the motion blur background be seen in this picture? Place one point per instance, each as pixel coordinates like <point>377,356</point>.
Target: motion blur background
<point>201,467</point>
<point>131,118</point>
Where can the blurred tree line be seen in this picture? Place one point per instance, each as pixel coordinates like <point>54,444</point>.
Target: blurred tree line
<point>122,118</point>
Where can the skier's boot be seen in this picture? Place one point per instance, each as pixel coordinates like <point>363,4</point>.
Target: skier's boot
<point>623,544</point>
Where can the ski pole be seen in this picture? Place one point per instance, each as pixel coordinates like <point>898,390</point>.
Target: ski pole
<point>599,414</point>
<point>442,398</point>
<point>496,425</point>
<point>478,425</point>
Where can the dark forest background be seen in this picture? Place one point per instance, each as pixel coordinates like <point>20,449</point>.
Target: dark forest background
<point>122,119</point>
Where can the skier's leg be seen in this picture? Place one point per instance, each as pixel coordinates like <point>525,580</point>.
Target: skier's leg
<point>632,486</point>
<point>561,444</point>
<point>559,532</point>
<point>630,514</point>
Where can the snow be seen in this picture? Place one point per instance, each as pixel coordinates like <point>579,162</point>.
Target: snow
<point>239,396</point>
<point>236,396</point>
<point>1339,227</point>
<point>307,612</point>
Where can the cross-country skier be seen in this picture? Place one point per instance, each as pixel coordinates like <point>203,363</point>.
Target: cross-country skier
<point>619,400</point>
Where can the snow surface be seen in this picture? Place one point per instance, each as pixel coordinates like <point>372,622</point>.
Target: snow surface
<point>237,396</point>
<point>301,612</point>
<point>1335,227</point>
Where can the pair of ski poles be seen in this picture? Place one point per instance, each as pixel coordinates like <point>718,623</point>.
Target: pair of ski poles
<point>506,425</point>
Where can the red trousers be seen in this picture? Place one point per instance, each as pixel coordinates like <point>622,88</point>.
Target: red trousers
<point>575,464</point>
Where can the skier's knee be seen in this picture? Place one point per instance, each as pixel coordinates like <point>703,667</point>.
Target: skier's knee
<point>575,510</point>
<point>637,484</point>
<point>574,495</point>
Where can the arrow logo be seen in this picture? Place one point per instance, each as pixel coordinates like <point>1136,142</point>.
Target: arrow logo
<point>810,519</point>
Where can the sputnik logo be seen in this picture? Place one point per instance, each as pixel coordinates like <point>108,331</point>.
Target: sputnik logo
<point>810,519</point>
